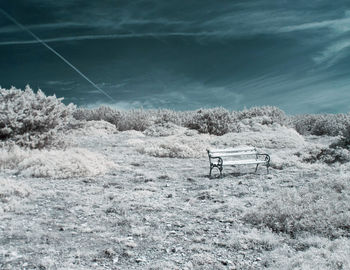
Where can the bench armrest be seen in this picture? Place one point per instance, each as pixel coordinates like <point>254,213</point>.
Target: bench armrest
<point>219,162</point>
<point>267,157</point>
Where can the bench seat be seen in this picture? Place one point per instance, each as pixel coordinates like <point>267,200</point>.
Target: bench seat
<point>243,162</point>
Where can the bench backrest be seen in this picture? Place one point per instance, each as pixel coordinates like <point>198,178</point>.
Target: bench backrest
<point>228,152</point>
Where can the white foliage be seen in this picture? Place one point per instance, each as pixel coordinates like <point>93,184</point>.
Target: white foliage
<point>217,121</point>
<point>321,253</point>
<point>164,129</point>
<point>31,119</point>
<point>319,207</point>
<point>321,124</point>
<point>95,128</point>
<point>283,159</point>
<point>265,114</point>
<point>67,163</point>
<point>274,138</point>
<point>133,133</point>
<point>177,146</point>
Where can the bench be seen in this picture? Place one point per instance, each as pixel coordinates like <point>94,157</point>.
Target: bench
<point>236,156</point>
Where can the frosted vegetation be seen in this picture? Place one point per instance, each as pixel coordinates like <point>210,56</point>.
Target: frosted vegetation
<point>105,188</point>
<point>32,119</point>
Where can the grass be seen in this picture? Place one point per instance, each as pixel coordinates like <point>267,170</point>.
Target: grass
<point>159,212</point>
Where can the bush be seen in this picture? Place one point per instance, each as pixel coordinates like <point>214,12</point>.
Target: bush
<point>217,121</point>
<point>164,129</point>
<point>101,113</point>
<point>165,116</point>
<point>268,114</point>
<point>321,124</point>
<point>68,163</point>
<point>327,155</point>
<point>320,207</point>
<point>31,119</point>
<point>276,138</point>
<point>138,120</point>
<point>174,146</point>
<point>344,141</point>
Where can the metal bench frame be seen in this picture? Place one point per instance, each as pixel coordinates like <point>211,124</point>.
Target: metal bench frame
<point>222,157</point>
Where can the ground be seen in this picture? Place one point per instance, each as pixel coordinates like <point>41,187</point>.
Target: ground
<point>156,212</point>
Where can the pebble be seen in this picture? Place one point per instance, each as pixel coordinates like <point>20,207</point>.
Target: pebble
<point>140,259</point>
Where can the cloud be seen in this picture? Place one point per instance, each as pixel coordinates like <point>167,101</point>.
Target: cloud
<point>337,25</point>
<point>48,27</point>
<point>336,48</point>
<point>166,19</point>
<point>333,53</point>
<point>186,95</point>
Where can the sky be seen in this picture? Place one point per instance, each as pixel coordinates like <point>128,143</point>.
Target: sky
<point>182,55</point>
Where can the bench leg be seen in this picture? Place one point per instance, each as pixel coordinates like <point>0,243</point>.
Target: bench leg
<point>256,168</point>
<point>211,168</point>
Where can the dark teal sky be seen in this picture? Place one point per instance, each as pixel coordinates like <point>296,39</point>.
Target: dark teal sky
<point>183,54</point>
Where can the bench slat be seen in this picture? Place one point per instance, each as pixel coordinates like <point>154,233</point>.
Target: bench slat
<point>242,162</point>
<point>241,149</point>
<point>232,154</point>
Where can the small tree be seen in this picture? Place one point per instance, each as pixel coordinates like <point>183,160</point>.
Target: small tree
<point>31,119</point>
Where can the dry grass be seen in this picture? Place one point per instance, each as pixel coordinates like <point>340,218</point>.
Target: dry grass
<point>165,213</point>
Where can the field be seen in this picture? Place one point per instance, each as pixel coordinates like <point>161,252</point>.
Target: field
<point>143,200</point>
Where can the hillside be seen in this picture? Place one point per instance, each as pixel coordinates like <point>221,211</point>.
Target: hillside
<point>116,189</point>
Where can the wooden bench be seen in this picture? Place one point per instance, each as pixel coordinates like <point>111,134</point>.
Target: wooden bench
<point>218,158</point>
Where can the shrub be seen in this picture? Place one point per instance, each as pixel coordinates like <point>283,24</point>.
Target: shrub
<point>101,113</point>
<point>344,141</point>
<point>277,138</point>
<point>327,155</point>
<point>176,146</point>
<point>217,121</point>
<point>138,119</point>
<point>164,129</point>
<point>320,207</point>
<point>321,124</point>
<point>75,162</point>
<point>165,116</point>
<point>31,119</point>
<point>92,129</point>
<point>313,253</point>
<point>268,115</point>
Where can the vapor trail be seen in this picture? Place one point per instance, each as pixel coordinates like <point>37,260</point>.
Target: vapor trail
<point>55,52</point>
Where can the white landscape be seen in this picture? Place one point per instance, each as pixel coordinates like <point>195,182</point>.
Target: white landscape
<point>109,189</point>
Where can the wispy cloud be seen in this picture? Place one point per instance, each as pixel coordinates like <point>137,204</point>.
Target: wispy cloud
<point>48,26</point>
<point>336,48</point>
<point>338,25</point>
<point>333,53</point>
<point>184,94</point>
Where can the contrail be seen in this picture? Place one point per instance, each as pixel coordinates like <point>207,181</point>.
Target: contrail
<point>55,52</point>
<point>110,36</point>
